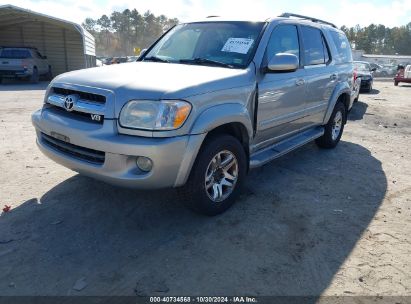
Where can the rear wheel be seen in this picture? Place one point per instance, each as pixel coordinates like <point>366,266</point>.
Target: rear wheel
<point>216,177</point>
<point>334,128</point>
<point>34,78</point>
<point>49,75</point>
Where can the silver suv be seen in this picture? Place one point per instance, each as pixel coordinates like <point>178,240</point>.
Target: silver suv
<point>23,63</point>
<point>205,103</point>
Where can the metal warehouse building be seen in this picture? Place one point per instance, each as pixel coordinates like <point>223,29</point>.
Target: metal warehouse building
<point>67,45</point>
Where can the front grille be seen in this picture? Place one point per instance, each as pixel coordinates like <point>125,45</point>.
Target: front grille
<point>80,115</point>
<point>100,99</point>
<point>85,154</point>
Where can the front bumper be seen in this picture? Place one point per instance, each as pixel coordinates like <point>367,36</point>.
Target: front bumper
<point>14,73</point>
<point>402,79</point>
<point>172,157</point>
<point>366,83</point>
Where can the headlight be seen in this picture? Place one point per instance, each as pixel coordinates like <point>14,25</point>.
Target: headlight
<point>154,115</point>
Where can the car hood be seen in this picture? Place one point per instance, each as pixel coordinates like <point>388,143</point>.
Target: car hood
<point>156,80</point>
<point>363,73</point>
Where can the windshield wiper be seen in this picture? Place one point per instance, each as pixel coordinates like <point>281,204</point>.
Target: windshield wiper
<point>206,61</point>
<point>156,59</point>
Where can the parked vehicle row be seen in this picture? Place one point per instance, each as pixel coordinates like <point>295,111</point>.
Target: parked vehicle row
<point>117,60</point>
<point>23,63</point>
<point>384,70</point>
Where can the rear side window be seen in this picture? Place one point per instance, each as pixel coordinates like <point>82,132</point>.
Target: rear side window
<point>343,47</point>
<point>15,54</point>
<point>315,49</point>
<point>284,39</point>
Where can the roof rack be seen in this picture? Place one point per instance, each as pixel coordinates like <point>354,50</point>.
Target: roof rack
<point>288,15</point>
<point>212,16</point>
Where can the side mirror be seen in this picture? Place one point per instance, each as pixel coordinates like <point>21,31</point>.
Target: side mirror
<point>373,69</point>
<point>283,62</point>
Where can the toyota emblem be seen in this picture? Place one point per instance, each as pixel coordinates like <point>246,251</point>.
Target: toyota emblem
<point>69,102</point>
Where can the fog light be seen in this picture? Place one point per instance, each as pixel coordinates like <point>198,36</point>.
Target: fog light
<point>144,163</point>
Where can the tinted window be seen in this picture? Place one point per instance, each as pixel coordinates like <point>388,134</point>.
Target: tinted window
<point>15,54</point>
<point>343,47</point>
<point>326,51</point>
<point>284,39</point>
<point>313,46</point>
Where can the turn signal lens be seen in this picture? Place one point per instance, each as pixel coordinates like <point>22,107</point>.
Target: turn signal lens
<point>181,115</point>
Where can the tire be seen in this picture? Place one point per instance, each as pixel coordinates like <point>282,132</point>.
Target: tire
<point>49,75</point>
<point>34,78</point>
<point>330,139</point>
<point>396,83</point>
<point>1,80</point>
<point>194,193</point>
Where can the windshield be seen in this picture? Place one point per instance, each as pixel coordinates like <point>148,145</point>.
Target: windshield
<point>230,44</point>
<point>15,54</point>
<point>362,66</point>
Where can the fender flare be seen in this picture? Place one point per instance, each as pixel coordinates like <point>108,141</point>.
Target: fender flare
<point>341,88</point>
<point>207,121</point>
<point>219,115</point>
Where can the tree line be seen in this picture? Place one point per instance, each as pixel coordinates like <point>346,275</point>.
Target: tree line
<point>379,39</point>
<point>121,32</point>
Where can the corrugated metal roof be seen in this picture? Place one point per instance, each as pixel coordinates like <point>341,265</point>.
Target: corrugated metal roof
<point>11,15</point>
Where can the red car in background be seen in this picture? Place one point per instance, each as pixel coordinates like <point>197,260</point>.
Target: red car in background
<point>403,75</point>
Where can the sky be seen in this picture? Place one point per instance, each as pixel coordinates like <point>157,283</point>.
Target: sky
<point>341,12</point>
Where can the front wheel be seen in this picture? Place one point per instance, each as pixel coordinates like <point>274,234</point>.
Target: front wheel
<point>216,177</point>
<point>334,128</point>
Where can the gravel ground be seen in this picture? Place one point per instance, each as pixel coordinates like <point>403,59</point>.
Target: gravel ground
<point>314,222</point>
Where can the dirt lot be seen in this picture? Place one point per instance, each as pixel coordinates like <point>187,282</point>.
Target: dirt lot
<point>313,222</point>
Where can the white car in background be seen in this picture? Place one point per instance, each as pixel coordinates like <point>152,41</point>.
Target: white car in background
<point>23,63</point>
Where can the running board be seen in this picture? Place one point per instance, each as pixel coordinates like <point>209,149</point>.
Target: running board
<point>266,155</point>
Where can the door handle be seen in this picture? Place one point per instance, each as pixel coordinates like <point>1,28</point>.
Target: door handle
<point>334,77</point>
<point>300,82</point>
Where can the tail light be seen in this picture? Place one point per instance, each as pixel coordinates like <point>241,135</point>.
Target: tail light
<point>354,75</point>
<point>24,63</point>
